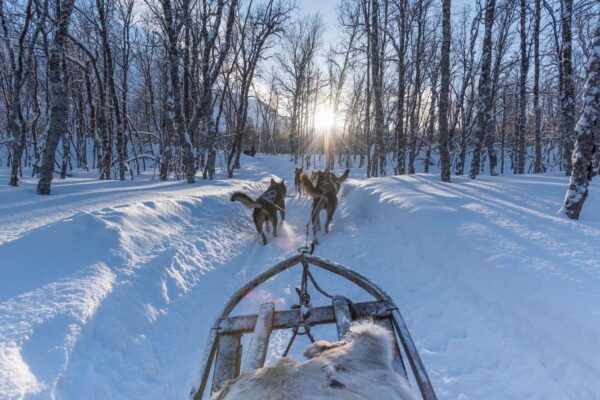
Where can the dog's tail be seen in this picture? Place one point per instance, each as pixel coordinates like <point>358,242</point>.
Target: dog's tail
<point>245,200</point>
<point>309,188</point>
<point>343,177</point>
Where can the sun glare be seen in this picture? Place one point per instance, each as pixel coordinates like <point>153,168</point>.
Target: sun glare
<point>324,118</point>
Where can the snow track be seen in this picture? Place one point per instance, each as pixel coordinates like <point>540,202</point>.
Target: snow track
<point>109,288</point>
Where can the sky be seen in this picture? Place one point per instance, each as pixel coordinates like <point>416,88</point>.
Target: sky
<point>327,9</point>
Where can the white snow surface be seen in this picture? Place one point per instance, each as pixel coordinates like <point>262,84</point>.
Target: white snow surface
<point>109,289</point>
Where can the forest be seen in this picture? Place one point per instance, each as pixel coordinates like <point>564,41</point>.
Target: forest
<point>182,87</point>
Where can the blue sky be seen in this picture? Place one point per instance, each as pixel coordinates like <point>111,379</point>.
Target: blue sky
<point>327,9</point>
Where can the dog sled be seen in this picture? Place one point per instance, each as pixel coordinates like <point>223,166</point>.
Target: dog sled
<point>222,360</point>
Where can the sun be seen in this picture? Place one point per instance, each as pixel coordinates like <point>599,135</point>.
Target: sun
<point>324,118</point>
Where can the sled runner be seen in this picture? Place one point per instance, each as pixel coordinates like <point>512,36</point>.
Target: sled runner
<point>223,352</point>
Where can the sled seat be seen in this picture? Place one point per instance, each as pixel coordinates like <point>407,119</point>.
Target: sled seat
<point>231,330</point>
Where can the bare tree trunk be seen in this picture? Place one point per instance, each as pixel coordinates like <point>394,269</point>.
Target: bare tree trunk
<point>169,126</point>
<point>484,99</point>
<point>568,85</point>
<point>121,156</point>
<point>583,153</point>
<point>444,92</point>
<point>376,73</point>
<point>66,143</point>
<point>127,17</point>
<point>172,27</point>
<point>59,108</point>
<point>522,92</point>
<point>367,126</point>
<point>415,109</point>
<point>430,124</point>
<point>503,132</point>
<point>400,133</point>
<point>210,132</point>
<point>537,160</point>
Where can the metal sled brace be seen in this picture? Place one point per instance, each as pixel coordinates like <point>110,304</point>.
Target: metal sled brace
<point>223,351</point>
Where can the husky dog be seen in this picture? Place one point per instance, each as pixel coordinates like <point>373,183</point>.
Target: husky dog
<point>313,177</point>
<point>357,370</point>
<point>337,182</point>
<point>265,207</point>
<point>298,181</point>
<point>324,196</point>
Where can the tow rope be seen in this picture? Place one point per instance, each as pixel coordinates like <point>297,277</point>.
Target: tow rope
<point>304,306</point>
<point>309,247</point>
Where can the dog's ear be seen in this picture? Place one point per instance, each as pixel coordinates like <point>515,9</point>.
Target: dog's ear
<point>272,181</point>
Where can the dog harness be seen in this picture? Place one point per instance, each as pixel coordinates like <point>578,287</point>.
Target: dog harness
<point>270,195</point>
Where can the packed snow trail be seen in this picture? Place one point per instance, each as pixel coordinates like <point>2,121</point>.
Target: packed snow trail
<point>499,291</point>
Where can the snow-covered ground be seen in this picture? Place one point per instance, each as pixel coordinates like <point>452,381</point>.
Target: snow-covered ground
<point>109,289</point>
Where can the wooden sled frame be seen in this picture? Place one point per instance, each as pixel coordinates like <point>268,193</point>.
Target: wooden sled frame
<point>223,348</point>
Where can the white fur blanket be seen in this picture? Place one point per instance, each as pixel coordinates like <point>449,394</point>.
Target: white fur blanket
<point>359,369</point>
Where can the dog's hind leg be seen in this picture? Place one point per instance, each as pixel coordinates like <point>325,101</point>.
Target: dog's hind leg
<point>318,218</point>
<point>259,221</point>
<point>264,237</point>
<point>316,223</point>
<point>281,208</point>
<point>330,212</point>
<point>273,221</point>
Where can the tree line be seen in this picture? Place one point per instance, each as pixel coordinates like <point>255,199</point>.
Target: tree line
<point>123,86</point>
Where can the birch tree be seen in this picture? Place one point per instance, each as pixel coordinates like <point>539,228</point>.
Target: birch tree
<point>59,107</point>
<point>444,91</point>
<point>103,8</point>
<point>399,43</point>
<point>537,158</point>
<point>522,90</point>
<point>485,100</point>
<point>378,161</point>
<point>585,131</point>
<point>587,127</point>
<point>567,83</point>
